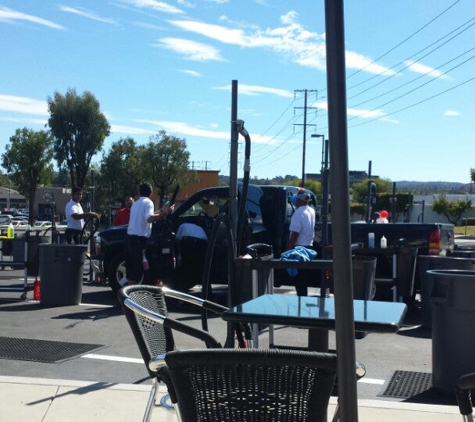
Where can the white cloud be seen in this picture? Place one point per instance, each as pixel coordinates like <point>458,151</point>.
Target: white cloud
<point>130,130</point>
<point>158,6</point>
<point>303,47</point>
<point>289,18</point>
<point>358,61</point>
<point>25,120</point>
<point>184,129</point>
<point>256,90</point>
<point>23,105</point>
<point>425,70</point>
<point>452,113</point>
<point>191,73</point>
<point>10,15</point>
<point>87,14</point>
<point>191,49</point>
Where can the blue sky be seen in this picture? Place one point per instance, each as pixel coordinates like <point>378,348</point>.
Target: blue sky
<point>168,65</point>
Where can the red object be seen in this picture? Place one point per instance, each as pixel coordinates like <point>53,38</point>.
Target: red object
<point>122,217</point>
<point>384,214</point>
<point>36,290</point>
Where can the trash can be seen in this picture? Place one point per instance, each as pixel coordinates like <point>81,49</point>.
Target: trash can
<point>435,262</point>
<point>405,270</point>
<point>33,261</point>
<point>364,270</point>
<point>61,273</point>
<point>252,282</point>
<point>453,326</point>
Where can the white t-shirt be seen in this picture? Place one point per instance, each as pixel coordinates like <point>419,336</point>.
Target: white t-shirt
<point>73,207</point>
<point>141,210</point>
<point>303,223</point>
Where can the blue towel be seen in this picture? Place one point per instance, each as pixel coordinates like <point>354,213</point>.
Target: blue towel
<point>299,253</point>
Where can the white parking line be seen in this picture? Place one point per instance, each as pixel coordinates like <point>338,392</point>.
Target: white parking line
<point>112,358</point>
<point>140,361</point>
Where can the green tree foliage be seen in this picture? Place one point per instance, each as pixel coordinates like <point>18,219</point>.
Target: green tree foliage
<point>28,159</point>
<point>79,129</point>
<point>359,190</point>
<point>121,170</point>
<point>166,159</point>
<point>453,210</point>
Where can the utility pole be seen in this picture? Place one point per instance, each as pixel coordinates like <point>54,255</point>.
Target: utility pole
<point>305,108</point>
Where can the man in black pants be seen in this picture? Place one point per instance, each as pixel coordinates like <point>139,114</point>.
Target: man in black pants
<point>75,217</point>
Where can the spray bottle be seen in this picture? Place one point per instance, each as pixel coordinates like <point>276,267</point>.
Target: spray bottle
<point>10,231</point>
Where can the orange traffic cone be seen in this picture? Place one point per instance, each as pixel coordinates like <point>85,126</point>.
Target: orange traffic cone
<point>36,289</point>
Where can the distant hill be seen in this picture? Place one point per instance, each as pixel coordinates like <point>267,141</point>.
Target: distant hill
<point>427,188</point>
<point>406,186</point>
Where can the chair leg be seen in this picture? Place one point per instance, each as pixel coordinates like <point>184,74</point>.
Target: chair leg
<point>151,401</point>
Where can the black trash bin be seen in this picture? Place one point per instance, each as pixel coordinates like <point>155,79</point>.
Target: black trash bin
<point>364,270</point>
<point>61,273</point>
<point>18,253</point>
<point>453,326</point>
<point>436,262</point>
<point>249,278</point>
<point>405,270</point>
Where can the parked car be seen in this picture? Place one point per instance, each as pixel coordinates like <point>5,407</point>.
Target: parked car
<point>42,224</point>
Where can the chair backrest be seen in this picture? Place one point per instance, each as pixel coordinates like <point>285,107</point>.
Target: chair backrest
<point>152,337</point>
<point>252,385</point>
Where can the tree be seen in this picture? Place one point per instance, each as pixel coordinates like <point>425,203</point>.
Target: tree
<point>79,130</point>
<point>167,159</point>
<point>453,210</point>
<point>28,159</point>
<point>121,170</point>
<point>359,190</point>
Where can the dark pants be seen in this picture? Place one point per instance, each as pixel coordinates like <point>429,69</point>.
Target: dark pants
<point>73,236</point>
<point>134,249</point>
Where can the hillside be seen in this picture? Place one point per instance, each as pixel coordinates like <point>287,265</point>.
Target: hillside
<point>427,188</point>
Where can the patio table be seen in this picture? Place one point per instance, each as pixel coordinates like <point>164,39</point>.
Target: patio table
<point>317,314</point>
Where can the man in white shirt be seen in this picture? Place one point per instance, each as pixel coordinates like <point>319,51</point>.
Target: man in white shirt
<point>302,232</point>
<point>302,223</point>
<point>142,215</point>
<point>75,217</point>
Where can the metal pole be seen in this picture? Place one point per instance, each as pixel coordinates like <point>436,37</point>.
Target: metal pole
<point>233,176</point>
<point>304,138</point>
<point>325,193</point>
<point>342,268</point>
<point>368,196</point>
<point>233,203</point>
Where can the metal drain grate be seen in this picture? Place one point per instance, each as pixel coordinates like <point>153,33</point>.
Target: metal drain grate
<point>42,350</point>
<point>406,384</point>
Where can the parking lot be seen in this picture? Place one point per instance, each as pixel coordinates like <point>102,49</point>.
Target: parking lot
<point>99,321</point>
<point>113,357</point>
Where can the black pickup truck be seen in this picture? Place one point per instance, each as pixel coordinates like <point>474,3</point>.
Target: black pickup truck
<point>179,264</point>
<point>398,260</point>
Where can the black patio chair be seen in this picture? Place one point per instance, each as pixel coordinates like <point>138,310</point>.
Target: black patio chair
<point>251,385</point>
<point>463,392</point>
<point>146,312</point>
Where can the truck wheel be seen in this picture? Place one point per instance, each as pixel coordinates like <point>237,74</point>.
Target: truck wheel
<point>116,273</point>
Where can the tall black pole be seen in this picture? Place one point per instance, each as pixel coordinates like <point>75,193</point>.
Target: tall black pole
<point>233,167</point>
<point>342,268</point>
<point>368,196</point>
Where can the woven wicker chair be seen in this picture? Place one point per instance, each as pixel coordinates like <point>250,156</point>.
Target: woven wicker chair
<point>146,313</point>
<point>251,385</point>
